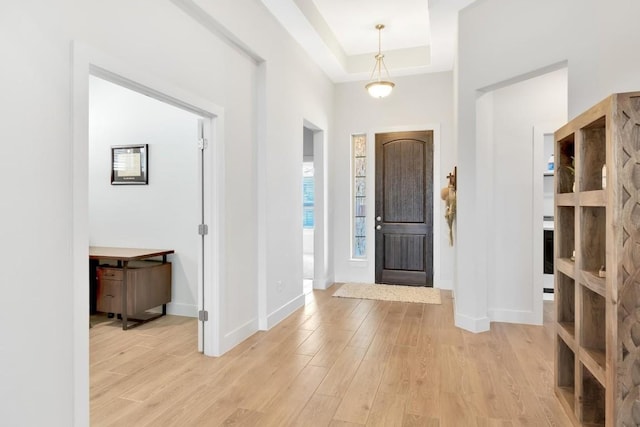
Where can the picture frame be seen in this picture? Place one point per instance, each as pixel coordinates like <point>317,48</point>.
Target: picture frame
<point>130,164</point>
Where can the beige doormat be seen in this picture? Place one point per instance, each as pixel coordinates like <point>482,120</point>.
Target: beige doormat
<point>389,293</point>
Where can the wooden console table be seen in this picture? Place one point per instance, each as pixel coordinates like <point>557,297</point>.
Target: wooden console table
<point>131,289</point>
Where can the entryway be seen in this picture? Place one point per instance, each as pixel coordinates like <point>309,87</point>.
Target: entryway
<point>404,208</point>
<point>313,209</point>
<point>87,63</point>
<point>308,210</point>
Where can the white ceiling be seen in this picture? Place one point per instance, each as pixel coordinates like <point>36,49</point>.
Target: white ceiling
<point>419,35</point>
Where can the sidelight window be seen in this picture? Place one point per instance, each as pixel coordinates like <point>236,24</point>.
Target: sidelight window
<point>359,172</point>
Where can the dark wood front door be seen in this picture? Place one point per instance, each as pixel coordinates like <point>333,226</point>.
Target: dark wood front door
<point>404,208</point>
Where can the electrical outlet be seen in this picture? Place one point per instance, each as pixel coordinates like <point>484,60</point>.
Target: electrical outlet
<point>279,286</point>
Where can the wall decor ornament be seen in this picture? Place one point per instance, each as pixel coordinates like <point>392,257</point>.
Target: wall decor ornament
<point>448,194</point>
<point>129,164</point>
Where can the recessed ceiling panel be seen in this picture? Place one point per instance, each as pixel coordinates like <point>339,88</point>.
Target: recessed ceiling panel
<point>353,23</point>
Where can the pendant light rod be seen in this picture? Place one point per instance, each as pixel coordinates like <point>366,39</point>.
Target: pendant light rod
<point>379,88</point>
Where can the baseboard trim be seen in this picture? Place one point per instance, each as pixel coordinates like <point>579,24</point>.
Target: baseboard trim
<point>446,284</point>
<point>514,316</point>
<point>236,336</point>
<point>471,324</point>
<point>177,309</point>
<point>285,311</point>
<point>321,284</point>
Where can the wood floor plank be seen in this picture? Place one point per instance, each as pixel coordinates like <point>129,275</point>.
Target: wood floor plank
<point>339,377</point>
<point>339,423</point>
<point>411,420</point>
<point>146,382</point>
<point>333,346</point>
<point>357,401</point>
<point>387,410</point>
<point>384,340</point>
<point>244,418</point>
<point>318,411</point>
<point>288,404</point>
<point>121,362</point>
<point>217,411</point>
<point>535,361</point>
<point>398,371</point>
<point>178,394</point>
<point>424,390</point>
<point>269,386</point>
<point>456,411</point>
<point>336,362</point>
<point>411,323</point>
<point>104,415</point>
<point>369,326</point>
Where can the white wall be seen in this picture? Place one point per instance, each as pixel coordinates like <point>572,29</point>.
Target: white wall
<point>36,375</point>
<point>307,145</point>
<point>501,41</point>
<point>416,101</point>
<point>515,110</point>
<point>162,214</point>
<point>295,90</point>
<point>264,103</point>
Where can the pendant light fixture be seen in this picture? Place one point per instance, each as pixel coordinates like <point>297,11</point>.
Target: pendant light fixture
<point>377,87</point>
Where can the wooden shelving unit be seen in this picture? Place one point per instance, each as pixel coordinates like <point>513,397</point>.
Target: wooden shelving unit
<point>597,358</point>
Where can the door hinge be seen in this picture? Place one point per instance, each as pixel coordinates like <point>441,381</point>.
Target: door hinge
<point>203,315</point>
<point>203,143</point>
<point>203,229</point>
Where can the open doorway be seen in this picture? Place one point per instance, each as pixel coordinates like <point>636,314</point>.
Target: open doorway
<point>543,207</point>
<point>511,152</point>
<point>86,62</point>
<point>314,210</point>
<point>308,208</point>
<point>161,213</point>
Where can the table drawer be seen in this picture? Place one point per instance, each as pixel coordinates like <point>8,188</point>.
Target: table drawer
<point>148,286</point>
<point>109,273</point>
<point>109,296</point>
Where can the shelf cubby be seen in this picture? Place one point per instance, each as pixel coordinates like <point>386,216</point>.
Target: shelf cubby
<point>565,303</point>
<point>592,155</point>
<point>592,399</point>
<point>565,380</point>
<point>593,244</point>
<point>593,317</point>
<point>565,232</point>
<point>565,167</point>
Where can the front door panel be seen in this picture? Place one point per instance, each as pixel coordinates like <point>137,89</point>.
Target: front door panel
<point>404,208</point>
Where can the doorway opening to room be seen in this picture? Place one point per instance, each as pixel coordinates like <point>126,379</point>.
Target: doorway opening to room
<point>195,291</point>
<point>313,209</point>
<point>515,122</point>
<point>308,211</point>
<point>157,214</point>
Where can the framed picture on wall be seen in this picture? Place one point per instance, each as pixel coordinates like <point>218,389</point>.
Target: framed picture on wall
<point>129,164</point>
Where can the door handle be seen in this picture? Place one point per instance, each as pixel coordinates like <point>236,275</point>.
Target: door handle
<point>378,218</point>
<point>378,227</point>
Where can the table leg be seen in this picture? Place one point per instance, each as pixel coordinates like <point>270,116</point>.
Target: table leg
<point>124,295</point>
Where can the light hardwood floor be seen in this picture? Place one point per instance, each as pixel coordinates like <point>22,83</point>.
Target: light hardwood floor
<point>335,362</point>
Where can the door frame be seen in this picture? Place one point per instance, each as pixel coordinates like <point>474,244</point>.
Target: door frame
<point>539,132</point>
<point>438,219</point>
<point>87,61</point>
<point>320,229</point>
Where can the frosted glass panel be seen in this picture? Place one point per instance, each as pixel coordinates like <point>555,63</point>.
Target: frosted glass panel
<point>359,201</point>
